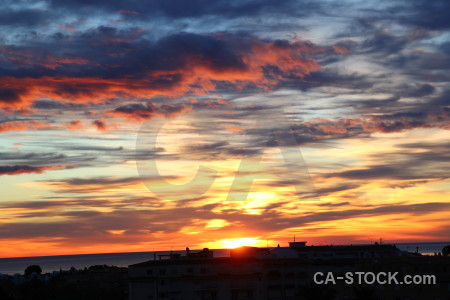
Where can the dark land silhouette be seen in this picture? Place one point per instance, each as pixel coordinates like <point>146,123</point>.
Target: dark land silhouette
<point>249,273</point>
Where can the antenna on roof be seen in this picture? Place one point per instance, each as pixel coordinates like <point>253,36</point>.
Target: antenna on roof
<point>294,238</point>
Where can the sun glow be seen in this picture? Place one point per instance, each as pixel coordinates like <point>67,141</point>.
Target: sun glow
<point>235,243</point>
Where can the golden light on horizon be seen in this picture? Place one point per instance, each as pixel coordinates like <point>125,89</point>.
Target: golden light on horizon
<point>235,243</point>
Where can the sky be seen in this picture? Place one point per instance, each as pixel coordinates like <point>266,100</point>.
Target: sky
<point>155,125</point>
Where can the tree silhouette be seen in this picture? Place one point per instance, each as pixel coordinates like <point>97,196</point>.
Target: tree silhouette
<point>33,269</point>
<point>446,250</point>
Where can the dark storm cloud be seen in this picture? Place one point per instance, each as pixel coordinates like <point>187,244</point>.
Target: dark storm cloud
<point>24,17</point>
<point>198,8</point>
<point>425,14</point>
<point>217,50</point>
<point>50,104</point>
<point>384,43</point>
<point>102,63</point>
<point>10,96</point>
<point>421,91</point>
<point>441,102</point>
<point>117,53</point>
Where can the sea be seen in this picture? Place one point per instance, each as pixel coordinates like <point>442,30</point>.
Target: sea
<point>17,265</point>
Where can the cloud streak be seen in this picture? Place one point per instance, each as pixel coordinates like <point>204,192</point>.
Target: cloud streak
<point>24,169</point>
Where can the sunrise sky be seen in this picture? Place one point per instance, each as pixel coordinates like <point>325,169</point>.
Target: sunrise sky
<point>145,125</point>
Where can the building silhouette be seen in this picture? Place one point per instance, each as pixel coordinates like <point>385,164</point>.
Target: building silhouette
<point>282,273</point>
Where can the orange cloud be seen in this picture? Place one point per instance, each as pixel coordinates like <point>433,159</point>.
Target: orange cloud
<point>74,125</point>
<point>24,125</point>
<point>22,91</point>
<point>291,59</point>
<point>262,64</point>
<point>74,61</point>
<point>233,128</point>
<point>340,49</point>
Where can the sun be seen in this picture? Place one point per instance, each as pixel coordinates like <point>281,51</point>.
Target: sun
<point>235,243</point>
